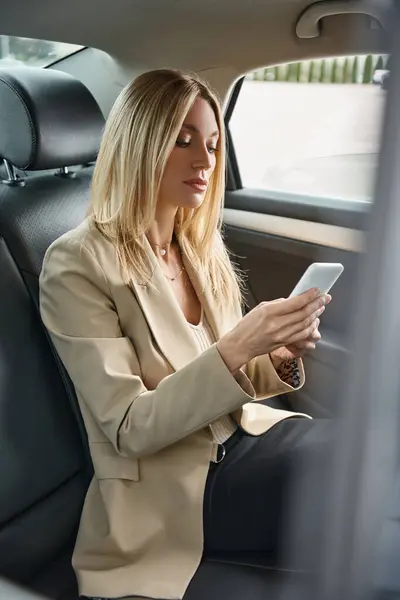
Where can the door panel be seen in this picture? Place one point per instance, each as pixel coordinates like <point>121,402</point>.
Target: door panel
<point>352,213</point>
<point>322,234</point>
<point>273,265</point>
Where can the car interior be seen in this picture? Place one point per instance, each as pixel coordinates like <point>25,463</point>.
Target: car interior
<point>51,122</point>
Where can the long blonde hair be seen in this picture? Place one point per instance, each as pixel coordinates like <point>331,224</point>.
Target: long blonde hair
<point>139,136</point>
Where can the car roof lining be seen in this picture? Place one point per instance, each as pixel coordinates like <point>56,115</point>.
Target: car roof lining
<point>192,35</point>
<point>147,31</point>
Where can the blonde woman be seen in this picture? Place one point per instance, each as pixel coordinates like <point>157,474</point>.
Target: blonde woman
<point>144,308</point>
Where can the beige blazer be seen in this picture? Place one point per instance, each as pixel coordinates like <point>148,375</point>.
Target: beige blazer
<point>147,398</point>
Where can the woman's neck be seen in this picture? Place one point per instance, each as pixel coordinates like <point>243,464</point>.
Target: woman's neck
<point>162,229</point>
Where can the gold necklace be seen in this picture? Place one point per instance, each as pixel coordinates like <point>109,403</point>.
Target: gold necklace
<point>164,247</point>
<point>163,252</point>
<point>176,276</point>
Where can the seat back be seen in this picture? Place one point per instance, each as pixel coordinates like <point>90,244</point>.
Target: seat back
<point>49,122</point>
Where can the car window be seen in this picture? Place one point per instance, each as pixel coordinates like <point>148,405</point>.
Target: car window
<point>312,127</point>
<point>19,51</point>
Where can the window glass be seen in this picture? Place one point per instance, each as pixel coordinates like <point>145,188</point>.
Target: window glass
<point>312,127</point>
<point>18,51</point>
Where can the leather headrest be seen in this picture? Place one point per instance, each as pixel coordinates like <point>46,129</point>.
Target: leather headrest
<point>48,119</point>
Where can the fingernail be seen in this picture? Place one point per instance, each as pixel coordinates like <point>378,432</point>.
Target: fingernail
<point>321,310</point>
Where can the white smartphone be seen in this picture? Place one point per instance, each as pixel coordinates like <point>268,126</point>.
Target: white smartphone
<point>318,275</point>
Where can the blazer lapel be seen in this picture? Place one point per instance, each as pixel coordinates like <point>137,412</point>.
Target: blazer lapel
<point>164,315</point>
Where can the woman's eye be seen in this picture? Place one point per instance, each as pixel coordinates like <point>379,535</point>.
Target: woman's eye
<point>186,143</point>
<point>182,143</point>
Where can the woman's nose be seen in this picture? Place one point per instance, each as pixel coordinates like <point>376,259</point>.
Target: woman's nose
<point>202,160</point>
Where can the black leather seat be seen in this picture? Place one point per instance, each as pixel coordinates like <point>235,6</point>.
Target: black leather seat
<point>50,122</point>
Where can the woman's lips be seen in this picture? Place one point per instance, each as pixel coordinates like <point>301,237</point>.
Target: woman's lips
<point>197,184</point>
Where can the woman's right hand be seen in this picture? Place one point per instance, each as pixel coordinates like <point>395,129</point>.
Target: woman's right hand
<point>271,325</point>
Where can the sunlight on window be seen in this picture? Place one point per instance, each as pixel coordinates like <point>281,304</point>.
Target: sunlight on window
<point>18,51</point>
<point>312,128</point>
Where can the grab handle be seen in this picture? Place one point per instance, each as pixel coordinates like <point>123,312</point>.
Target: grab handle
<point>308,25</point>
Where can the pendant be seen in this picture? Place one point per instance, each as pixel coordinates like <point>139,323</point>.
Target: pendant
<point>163,252</point>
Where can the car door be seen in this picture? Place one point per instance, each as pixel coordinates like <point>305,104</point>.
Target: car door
<point>275,234</point>
<point>304,143</point>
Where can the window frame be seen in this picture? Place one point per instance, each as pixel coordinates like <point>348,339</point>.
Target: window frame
<point>234,180</point>
<point>58,60</point>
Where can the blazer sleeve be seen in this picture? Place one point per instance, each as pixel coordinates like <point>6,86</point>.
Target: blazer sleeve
<point>78,311</point>
<point>266,380</point>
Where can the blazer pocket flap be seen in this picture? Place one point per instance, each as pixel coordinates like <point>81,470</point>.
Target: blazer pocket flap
<point>110,465</point>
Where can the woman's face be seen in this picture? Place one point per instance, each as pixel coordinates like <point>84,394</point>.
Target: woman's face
<point>192,161</point>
